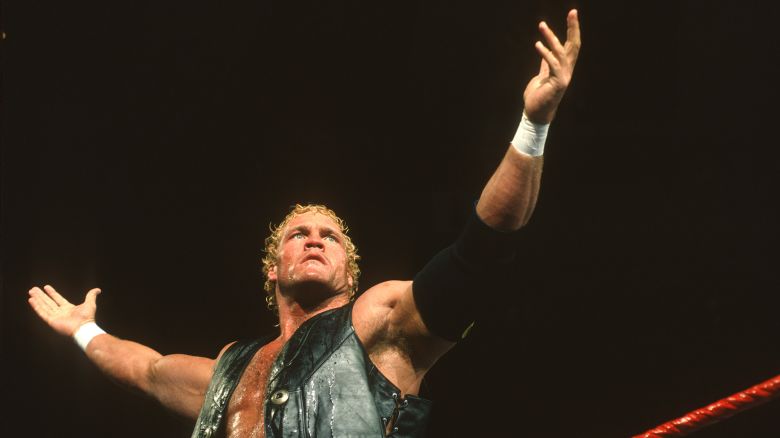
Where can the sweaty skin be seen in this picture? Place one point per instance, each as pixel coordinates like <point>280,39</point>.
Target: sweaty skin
<point>312,255</point>
<point>246,409</point>
<point>311,277</point>
<point>245,413</point>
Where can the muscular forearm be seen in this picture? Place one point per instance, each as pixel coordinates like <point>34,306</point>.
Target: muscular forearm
<point>509,197</point>
<point>127,362</point>
<point>177,381</point>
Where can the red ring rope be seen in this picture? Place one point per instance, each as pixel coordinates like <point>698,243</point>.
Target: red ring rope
<point>721,409</point>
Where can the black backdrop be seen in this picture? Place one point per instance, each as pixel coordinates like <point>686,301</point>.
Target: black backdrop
<point>147,146</point>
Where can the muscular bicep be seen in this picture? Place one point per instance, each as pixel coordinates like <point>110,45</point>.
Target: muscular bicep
<point>386,318</point>
<point>179,382</point>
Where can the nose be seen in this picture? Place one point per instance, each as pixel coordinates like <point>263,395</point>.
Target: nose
<point>314,241</point>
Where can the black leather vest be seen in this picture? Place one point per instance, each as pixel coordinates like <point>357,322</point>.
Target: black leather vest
<point>322,384</point>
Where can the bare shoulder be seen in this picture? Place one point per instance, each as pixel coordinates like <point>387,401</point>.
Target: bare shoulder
<point>224,349</point>
<point>215,362</point>
<point>386,294</point>
<point>375,310</point>
<point>385,317</point>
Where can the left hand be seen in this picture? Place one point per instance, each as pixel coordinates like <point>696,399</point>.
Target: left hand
<point>545,91</point>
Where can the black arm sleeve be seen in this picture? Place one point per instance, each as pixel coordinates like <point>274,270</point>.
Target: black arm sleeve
<point>447,290</point>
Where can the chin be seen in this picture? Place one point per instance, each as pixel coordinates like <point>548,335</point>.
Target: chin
<point>311,291</point>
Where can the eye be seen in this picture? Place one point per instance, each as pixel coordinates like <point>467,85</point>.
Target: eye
<point>332,238</point>
<point>297,235</point>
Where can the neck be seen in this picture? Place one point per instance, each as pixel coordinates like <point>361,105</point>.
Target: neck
<point>293,313</point>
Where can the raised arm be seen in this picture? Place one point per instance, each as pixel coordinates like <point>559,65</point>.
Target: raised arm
<point>178,381</point>
<point>509,197</point>
<point>452,290</point>
<point>407,326</point>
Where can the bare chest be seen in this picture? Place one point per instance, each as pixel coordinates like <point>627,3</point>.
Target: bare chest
<point>245,413</point>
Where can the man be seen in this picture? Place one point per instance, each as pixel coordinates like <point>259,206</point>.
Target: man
<point>340,367</point>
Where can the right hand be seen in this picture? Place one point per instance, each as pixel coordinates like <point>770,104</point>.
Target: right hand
<point>64,317</point>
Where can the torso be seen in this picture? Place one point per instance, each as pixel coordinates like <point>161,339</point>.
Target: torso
<point>247,405</point>
<point>246,408</point>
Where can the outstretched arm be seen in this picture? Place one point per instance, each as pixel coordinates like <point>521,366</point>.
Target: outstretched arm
<point>424,318</point>
<point>509,197</point>
<point>444,290</point>
<point>178,381</point>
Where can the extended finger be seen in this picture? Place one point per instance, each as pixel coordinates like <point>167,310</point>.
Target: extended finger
<point>573,29</point>
<point>549,57</point>
<point>41,309</point>
<point>544,68</point>
<point>55,295</point>
<point>41,298</point>
<point>92,296</point>
<point>553,43</point>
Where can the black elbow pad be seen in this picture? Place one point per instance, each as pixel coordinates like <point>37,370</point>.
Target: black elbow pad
<point>447,290</point>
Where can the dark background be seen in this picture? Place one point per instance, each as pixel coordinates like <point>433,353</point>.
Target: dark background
<point>147,146</point>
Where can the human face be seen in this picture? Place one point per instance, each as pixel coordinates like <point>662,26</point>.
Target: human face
<point>311,257</point>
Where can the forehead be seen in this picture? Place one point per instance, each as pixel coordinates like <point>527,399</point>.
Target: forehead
<point>312,219</point>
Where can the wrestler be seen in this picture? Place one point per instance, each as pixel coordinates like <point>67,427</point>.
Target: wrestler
<point>341,366</point>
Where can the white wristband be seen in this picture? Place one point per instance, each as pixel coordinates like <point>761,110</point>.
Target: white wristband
<point>85,333</point>
<point>530,137</point>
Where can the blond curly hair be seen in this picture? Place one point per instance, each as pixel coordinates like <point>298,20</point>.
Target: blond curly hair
<point>273,242</point>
